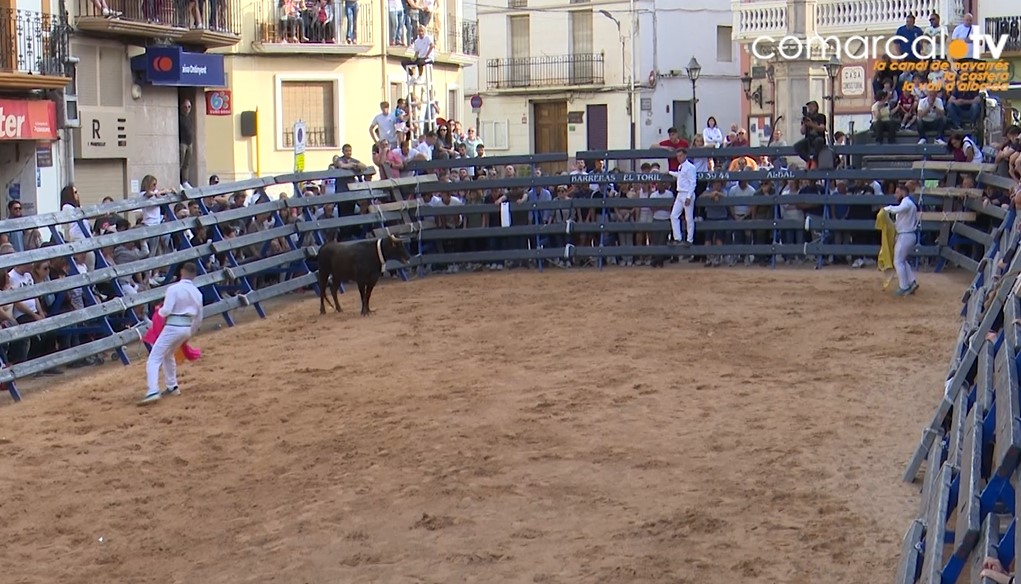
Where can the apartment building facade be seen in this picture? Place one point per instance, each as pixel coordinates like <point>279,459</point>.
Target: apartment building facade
<point>328,74</point>
<point>563,76</point>
<point>34,69</point>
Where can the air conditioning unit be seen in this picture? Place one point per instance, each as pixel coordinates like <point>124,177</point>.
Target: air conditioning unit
<point>68,114</point>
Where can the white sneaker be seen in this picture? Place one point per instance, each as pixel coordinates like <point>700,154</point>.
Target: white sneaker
<point>922,140</point>
<point>149,398</point>
<point>941,141</point>
<point>176,390</point>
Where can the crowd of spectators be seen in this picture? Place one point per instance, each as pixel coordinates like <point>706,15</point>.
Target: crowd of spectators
<point>392,155</point>
<point>336,21</point>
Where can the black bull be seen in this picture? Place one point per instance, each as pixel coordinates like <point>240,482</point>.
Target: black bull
<point>358,261</point>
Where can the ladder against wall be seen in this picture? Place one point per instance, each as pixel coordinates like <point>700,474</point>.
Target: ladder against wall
<point>421,99</point>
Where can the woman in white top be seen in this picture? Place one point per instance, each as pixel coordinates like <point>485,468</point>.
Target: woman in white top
<point>68,202</point>
<point>712,135</point>
<point>153,215</point>
<point>906,219</point>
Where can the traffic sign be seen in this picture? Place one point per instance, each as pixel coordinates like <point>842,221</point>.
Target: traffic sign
<point>476,101</point>
<point>300,136</point>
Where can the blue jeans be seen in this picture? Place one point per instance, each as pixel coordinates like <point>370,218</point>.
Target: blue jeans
<point>397,26</point>
<point>351,11</point>
<point>964,113</point>
<point>410,26</point>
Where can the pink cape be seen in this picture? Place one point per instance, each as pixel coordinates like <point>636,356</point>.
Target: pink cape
<point>190,353</point>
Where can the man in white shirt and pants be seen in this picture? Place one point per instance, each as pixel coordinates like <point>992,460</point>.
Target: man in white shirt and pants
<point>906,221</point>
<point>182,309</point>
<point>687,177</point>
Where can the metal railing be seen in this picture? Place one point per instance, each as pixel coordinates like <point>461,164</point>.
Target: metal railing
<point>222,16</point>
<point>314,137</point>
<point>32,42</point>
<point>454,36</point>
<point>306,27</point>
<point>549,71</point>
<point>1008,26</point>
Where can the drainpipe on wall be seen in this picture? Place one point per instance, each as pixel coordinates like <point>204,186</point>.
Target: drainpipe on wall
<point>384,43</point>
<point>64,134</point>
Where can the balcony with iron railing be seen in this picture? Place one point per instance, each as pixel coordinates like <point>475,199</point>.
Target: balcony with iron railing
<point>755,18</point>
<point>299,29</point>
<point>218,25</point>
<point>545,72</point>
<point>33,50</point>
<point>456,40</point>
<point>1005,26</point>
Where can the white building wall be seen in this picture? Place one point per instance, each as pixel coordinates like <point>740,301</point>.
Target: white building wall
<point>718,89</point>
<point>653,34</point>
<point>994,8</point>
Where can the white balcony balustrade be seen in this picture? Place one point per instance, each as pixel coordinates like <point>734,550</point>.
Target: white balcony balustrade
<point>755,18</point>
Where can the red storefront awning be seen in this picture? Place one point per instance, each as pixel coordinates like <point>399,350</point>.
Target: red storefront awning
<point>28,120</point>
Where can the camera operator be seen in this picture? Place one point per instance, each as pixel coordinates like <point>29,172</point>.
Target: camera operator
<point>813,126</point>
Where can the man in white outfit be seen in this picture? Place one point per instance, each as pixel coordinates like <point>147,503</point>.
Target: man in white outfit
<point>685,201</point>
<point>182,309</point>
<point>906,221</point>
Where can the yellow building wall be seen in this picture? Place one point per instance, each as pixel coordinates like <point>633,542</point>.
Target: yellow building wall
<point>254,82</point>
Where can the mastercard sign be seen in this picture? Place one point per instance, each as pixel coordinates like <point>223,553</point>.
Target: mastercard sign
<point>218,103</point>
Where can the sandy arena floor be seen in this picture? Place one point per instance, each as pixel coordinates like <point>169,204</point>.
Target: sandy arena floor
<point>681,426</point>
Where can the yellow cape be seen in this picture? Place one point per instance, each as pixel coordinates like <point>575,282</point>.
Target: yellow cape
<point>889,232</point>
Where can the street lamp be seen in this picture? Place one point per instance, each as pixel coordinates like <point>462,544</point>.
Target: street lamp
<point>624,79</point>
<point>832,70</point>
<point>694,70</point>
<point>752,96</point>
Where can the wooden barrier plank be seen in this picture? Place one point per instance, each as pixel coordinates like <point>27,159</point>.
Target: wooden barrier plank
<point>280,289</point>
<point>405,228</point>
<point>396,206</point>
<point>393,183</point>
<point>1003,182</point>
<point>935,527</point>
<point>976,235</point>
<point>969,520</point>
<point>959,259</point>
<point>985,547</point>
<point>955,192</point>
<point>907,569</point>
<point>947,216</point>
<point>264,264</point>
<point>994,211</point>
<point>103,275</point>
<point>1007,446</point>
<point>88,213</point>
<point>984,380</point>
<point>934,463</point>
<point>59,321</point>
<point>95,243</point>
<point>256,238</point>
<point>952,166</point>
<point>67,356</point>
<point>958,421</point>
<point>240,213</point>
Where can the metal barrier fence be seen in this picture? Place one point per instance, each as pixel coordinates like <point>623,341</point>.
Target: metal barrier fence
<point>289,230</point>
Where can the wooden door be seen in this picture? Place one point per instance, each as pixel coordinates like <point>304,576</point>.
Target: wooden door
<point>596,131</point>
<point>550,130</point>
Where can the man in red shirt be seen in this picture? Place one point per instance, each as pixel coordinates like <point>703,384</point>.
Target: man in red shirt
<point>672,143</point>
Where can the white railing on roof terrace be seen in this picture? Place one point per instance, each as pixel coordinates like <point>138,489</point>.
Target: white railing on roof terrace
<point>753,18</point>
